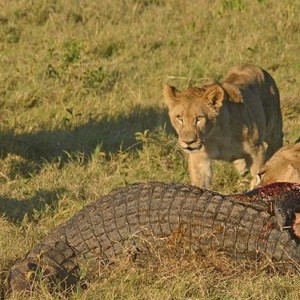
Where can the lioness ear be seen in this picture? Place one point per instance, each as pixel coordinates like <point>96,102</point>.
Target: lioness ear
<point>170,95</point>
<point>233,93</point>
<point>215,95</point>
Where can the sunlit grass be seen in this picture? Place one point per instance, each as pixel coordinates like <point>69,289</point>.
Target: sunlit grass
<point>82,113</point>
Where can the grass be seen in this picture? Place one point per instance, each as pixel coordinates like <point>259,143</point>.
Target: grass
<point>82,113</point>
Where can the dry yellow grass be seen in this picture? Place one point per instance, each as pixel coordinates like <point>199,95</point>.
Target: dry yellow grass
<point>82,113</point>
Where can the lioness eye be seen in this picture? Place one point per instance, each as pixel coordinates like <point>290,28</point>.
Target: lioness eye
<point>179,118</point>
<point>199,119</point>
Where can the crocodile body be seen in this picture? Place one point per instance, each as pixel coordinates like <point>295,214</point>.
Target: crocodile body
<point>247,225</point>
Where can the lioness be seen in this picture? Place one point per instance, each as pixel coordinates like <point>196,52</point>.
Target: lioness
<point>230,121</point>
<point>283,166</point>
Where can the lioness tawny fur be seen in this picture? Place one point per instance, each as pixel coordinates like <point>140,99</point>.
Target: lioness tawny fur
<point>283,166</point>
<point>238,120</point>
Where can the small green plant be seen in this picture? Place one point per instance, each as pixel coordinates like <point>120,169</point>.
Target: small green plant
<point>72,52</point>
<point>233,5</point>
<point>100,80</point>
<point>13,34</point>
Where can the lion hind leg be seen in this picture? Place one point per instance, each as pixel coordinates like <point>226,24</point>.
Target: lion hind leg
<point>273,144</point>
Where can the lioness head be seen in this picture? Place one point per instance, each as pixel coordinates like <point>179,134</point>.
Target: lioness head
<point>193,113</point>
<point>283,166</point>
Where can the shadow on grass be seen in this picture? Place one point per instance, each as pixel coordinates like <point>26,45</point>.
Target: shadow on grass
<point>110,133</point>
<point>15,210</point>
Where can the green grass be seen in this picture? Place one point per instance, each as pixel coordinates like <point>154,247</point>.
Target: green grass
<point>82,113</point>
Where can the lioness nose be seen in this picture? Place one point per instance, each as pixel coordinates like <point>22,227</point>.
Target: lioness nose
<point>190,139</point>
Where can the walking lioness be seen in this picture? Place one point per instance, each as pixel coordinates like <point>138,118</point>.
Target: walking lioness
<point>238,120</point>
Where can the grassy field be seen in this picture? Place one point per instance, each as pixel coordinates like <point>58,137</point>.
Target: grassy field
<point>82,113</point>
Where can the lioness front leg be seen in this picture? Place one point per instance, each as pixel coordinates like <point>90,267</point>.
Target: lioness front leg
<point>200,169</point>
<point>258,160</point>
